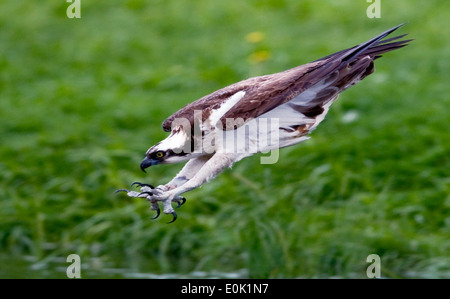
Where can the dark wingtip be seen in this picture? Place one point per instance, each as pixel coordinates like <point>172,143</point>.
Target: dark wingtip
<point>398,26</point>
<point>354,52</point>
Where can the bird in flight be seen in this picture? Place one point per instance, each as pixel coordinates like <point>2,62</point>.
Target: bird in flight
<point>260,114</point>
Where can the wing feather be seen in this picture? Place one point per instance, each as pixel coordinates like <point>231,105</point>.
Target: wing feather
<point>310,86</point>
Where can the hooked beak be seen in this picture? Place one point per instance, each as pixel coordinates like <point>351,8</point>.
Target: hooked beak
<point>147,163</point>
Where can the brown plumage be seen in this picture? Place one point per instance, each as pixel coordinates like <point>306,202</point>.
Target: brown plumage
<point>345,68</point>
<point>294,102</point>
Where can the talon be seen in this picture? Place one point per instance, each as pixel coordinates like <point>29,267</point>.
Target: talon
<point>183,200</point>
<point>121,190</point>
<point>174,217</point>
<point>142,185</point>
<point>158,211</point>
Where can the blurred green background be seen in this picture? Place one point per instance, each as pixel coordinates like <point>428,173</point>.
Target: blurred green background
<point>81,100</point>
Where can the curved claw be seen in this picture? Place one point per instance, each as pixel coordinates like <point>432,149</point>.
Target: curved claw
<point>158,211</point>
<point>121,190</point>
<point>183,200</point>
<point>142,185</point>
<point>174,217</point>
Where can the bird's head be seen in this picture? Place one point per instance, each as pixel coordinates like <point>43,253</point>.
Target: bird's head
<point>175,148</point>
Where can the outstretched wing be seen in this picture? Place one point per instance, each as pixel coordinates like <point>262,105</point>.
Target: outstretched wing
<point>327,77</point>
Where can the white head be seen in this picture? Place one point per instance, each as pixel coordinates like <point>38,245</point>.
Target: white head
<point>175,148</point>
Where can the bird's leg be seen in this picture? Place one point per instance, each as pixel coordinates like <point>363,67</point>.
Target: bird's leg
<point>151,193</point>
<point>186,173</point>
<point>216,164</point>
<point>194,174</point>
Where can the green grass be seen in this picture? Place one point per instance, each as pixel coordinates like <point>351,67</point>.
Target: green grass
<point>81,100</point>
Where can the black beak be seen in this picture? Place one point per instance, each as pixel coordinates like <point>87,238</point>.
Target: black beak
<point>147,163</point>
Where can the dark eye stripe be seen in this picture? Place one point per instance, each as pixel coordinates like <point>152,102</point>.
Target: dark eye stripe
<point>170,152</point>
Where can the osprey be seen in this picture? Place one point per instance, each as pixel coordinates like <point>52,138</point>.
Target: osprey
<point>259,114</point>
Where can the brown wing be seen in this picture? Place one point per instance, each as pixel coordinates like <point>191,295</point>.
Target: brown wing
<point>264,93</point>
<point>343,68</point>
<point>208,103</point>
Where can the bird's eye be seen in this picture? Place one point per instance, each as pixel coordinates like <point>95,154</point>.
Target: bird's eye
<point>159,154</point>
